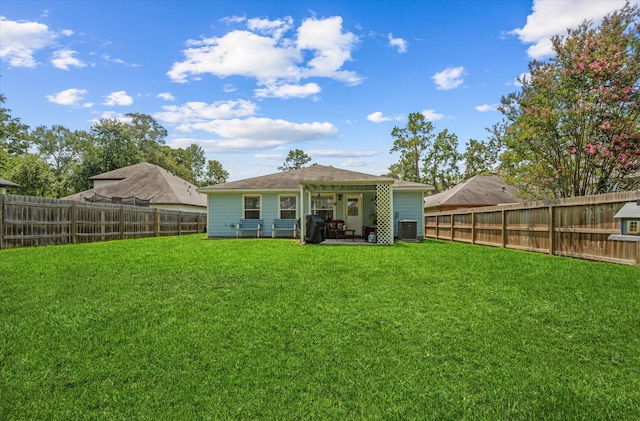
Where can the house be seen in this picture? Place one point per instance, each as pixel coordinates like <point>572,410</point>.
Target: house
<point>480,190</point>
<point>629,216</point>
<point>355,198</point>
<point>144,184</point>
<point>6,184</point>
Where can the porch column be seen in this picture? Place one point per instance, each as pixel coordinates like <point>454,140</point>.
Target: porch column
<point>384,231</point>
<point>303,225</point>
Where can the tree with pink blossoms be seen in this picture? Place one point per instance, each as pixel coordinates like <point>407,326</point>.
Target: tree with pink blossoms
<point>574,127</point>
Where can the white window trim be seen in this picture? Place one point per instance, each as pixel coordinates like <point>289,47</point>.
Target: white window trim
<point>295,196</point>
<point>244,209</point>
<point>633,231</point>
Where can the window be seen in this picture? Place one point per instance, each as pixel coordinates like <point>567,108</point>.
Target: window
<point>323,206</point>
<point>288,207</point>
<point>251,207</point>
<point>633,227</point>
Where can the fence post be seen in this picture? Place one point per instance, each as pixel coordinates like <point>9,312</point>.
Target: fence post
<point>121,222</point>
<point>473,227</point>
<point>437,227</point>
<point>2,221</point>
<point>504,228</point>
<point>156,222</point>
<point>552,223</point>
<point>73,221</point>
<point>452,216</point>
<point>179,223</point>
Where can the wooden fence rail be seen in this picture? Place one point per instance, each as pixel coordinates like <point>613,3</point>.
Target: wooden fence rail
<point>27,221</point>
<point>575,227</point>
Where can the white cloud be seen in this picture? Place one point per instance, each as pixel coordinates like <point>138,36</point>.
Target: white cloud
<point>431,115</point>
<point>398,43</point>
<point>332,48</point>
<point>486,107</point>
<point>196,112</point>
<point>67,97</point>
<point>233,19</point>
<point>63,59</point>
<point>256,134</point>
<point>449,78</point>
<point>334,153</point>
<point>118,98</point>
<point>275,28</point>
<point>267,129</point>
<point>377,117</point>
<point>265,54</point>
<point>22,39</point>
<point>288,91</point>
<point>166,96</point>
<point>550,18</point>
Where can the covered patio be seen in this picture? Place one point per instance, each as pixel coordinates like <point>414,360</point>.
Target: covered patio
<point>383,194</point>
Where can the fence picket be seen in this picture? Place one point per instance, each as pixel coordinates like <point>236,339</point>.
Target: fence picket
<point>576,227</point>
<point>34,221</point>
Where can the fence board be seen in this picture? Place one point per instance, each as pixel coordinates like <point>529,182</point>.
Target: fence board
<point>574,227</point>
<point>27,221</point>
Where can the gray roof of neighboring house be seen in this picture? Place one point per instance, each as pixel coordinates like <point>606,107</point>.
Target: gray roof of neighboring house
<point>629,210</point>
<point>7,183</point>
<point>321,174</point>
<point>479,190</point>
<point>146,181</point>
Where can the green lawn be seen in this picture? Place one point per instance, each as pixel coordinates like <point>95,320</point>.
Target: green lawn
<point>183,328</point>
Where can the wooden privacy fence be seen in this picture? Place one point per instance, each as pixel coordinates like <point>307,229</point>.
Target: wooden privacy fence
<point>27,221</point>
<point>575,227</point>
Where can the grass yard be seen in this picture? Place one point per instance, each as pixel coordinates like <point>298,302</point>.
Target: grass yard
<point>183,328</point>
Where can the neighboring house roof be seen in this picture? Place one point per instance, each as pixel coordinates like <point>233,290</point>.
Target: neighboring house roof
<point>146,181</point>
<point>319,174</point>
<point>7,183</point>
<point>480,190</point>
<point>629,210</point>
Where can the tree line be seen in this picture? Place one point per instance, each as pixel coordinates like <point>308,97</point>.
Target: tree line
<point>56,161</point>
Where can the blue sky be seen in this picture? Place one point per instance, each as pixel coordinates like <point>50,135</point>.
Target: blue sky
<point>250,80</point>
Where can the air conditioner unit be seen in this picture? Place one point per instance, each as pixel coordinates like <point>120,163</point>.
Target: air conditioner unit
<point>408,230</point>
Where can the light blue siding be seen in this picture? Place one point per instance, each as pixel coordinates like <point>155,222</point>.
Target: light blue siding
<point>408,205</point>
<point>225,210</point>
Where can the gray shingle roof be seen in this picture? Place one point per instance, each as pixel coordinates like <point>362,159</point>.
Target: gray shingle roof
<point>629,210</point>
<point>146,181</point>
<point>480,190</point>
<point>290,180</point>
<point>7,183</point>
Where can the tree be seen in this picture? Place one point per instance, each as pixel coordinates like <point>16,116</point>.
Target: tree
<point>61,149</point>
<point>482,157</point>
<point>412,141</point>
<point>14,137</point>
<point>402,170</point>
<point>116,143</point>
<point>441,162</point>
<point>574,128</point>
<point>33,174</point>
<point>216,174</point>
<point>296,159</point>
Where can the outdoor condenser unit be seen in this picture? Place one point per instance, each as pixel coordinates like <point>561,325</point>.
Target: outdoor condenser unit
<point>408,230</point>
